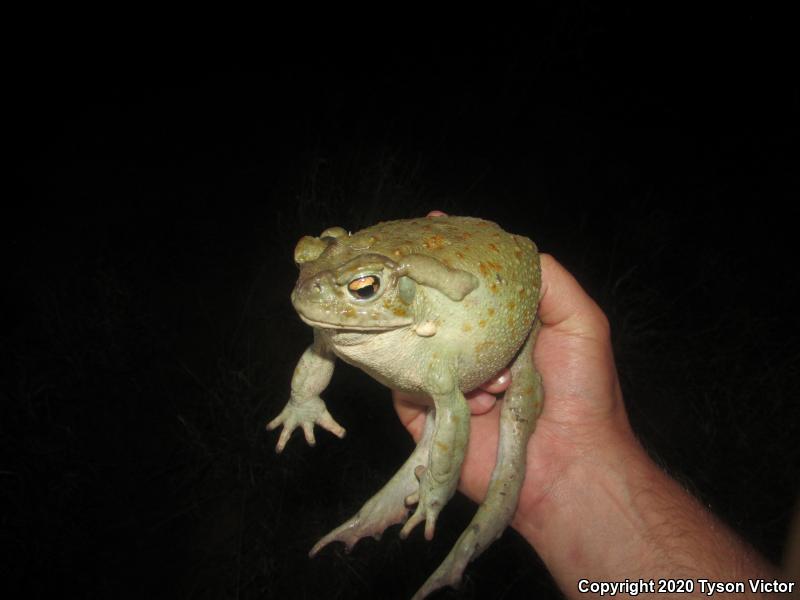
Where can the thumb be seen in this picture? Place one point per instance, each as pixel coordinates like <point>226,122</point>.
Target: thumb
<point>573,352</point>
<point>566,307</point>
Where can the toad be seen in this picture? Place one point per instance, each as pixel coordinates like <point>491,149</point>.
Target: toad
<point>434,307</point>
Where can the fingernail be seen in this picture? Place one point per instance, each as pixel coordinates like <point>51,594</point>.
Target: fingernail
<point>503,378</point>
<point>487,401</point>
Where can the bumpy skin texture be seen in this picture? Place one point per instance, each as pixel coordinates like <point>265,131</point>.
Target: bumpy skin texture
<point>433,306</point>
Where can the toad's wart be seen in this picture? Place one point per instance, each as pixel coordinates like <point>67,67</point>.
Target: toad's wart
<point>432,306</point>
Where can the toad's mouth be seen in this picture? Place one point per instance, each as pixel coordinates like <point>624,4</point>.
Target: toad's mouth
<point>341,328</point>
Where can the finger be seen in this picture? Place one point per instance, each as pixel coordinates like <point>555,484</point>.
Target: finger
<point>480,402</point>
<point>275,422</point>
<point>308,430</point>
<point>415,520</point>
<point>326,421</point>
<point>498,383</point>
<point>430,524</point>
<point>410,412</point>
<point>285,434</point>
<point>436,213</point>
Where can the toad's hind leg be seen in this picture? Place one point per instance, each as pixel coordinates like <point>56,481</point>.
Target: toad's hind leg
<point>388,506</point>
<point>522,404</point>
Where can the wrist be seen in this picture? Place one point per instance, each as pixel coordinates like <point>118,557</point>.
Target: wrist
<point>573,493</point>
<point>612,514</point>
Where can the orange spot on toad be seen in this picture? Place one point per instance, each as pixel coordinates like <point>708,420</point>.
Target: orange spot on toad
<point>494,266</point>
<point>483,347</point>
<point>434,242</point>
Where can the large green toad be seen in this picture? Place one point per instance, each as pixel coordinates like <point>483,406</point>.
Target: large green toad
<point>433,306</point>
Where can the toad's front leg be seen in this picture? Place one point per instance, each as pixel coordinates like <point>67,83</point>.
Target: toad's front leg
<point>439,478</point>
<point>305,408</point>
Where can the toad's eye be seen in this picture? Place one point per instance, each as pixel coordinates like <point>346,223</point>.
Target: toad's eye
<point>365,287</point>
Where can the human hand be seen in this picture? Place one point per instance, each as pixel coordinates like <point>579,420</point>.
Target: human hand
<point>593,504</point>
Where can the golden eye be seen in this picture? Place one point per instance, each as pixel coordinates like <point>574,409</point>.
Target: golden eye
<point>365,287</point>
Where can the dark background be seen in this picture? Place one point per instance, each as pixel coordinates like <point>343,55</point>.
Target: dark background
<point>147,334</point>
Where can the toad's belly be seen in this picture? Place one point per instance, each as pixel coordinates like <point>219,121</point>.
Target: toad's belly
<point>403,361</point>
<point>395,358</point>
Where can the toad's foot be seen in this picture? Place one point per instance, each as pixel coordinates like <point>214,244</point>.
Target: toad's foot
<point>388,506</point>
<point>304,413</point>
<point>451,569</point>
<point>430,499</point>
<point>438,480</point>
